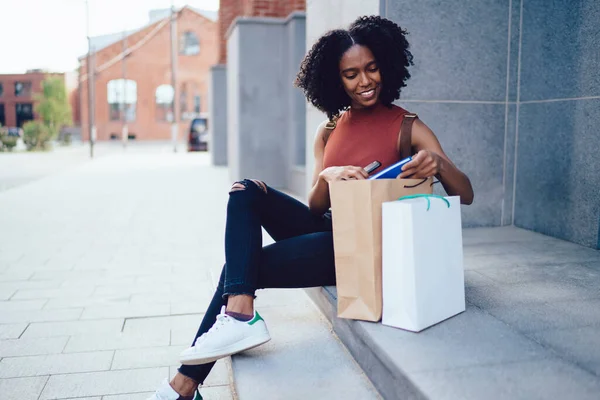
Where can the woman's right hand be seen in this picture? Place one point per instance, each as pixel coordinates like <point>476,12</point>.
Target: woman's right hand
<point>332,174</point>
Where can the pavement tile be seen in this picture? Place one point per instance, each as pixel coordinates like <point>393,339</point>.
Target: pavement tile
<point>20,305</point>
<point>22,388</point>
<point>60,293</point>
<point>82,302</point>
<point>15,275</point>
<point>103,383</point>
<point>125,311</point>
<point>106,280</point>
<point>166,323</point>
<point>50,329</point>
<point>111,341</point>
<point>55,364</point>
<point>183,337</point>
<point>534,380</point>
<point>6,293</point>
<point>9,317</point>
<point>12,331</point>
<point>185,306</point>
<point>32,347</point>
<point>30,285</point>
<point>120,289</point>
<point>147,357</point>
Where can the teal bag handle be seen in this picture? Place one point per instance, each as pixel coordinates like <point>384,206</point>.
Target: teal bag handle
<point>426,196</point>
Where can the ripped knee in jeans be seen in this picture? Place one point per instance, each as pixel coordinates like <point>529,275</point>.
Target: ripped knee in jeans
<point>243,185</point>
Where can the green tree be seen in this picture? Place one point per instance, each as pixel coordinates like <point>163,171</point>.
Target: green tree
<point>52,105</point>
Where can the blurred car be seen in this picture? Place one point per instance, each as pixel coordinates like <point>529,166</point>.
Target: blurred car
<point>198,135</point>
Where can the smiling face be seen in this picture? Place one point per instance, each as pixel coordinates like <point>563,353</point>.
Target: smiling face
<point>360,76</point>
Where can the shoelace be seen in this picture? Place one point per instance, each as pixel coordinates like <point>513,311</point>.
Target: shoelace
<point>222,319</point>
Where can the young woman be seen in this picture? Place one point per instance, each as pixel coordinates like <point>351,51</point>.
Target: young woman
<point>357,72</point>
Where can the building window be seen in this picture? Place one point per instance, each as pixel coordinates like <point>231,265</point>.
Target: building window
<point>23,89</point>
<point>23,113</point>
<point>2,116</point>
<point>1,89</point>
<point>164,103</point>
<point>189,44</point>
<point>122,99</point>
<point>197,104</point>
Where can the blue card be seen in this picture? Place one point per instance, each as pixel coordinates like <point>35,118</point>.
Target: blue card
<point>392,171</point>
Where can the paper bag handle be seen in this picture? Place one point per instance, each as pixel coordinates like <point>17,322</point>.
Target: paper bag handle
<point>426,196</point>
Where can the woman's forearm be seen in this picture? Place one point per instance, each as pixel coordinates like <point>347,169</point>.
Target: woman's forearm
<point>455,182</point>
<point>318,198</point>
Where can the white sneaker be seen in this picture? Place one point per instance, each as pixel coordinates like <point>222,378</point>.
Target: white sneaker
<point>226,337</point>
<point>166,392</point>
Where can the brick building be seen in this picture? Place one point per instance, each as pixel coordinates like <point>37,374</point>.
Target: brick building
<point>229,10</point>
<point>133,76</point>
<point>17,93</point>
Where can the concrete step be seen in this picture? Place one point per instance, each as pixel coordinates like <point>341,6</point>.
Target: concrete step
<point>303,360</point>
<point>529,331</point>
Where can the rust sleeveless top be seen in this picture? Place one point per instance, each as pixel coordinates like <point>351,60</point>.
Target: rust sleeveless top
<point>362,136</point>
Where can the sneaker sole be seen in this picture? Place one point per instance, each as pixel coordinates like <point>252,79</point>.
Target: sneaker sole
<point>238,347</point>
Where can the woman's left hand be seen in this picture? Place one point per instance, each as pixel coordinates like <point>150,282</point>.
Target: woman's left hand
<point>424,164</point>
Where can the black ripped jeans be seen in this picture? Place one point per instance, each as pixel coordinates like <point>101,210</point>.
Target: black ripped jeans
<point>301,257</point>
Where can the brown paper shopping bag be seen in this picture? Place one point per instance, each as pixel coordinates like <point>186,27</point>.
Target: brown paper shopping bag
<point>356,213</point>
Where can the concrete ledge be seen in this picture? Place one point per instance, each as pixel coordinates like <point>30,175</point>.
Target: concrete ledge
<point>529,331</point>
<point>385,375</point>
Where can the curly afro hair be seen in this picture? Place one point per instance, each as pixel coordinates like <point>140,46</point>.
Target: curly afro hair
<point>319,75</point>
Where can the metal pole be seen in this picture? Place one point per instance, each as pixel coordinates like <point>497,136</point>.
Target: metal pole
<point>124,129</point>
<point>174,126</point>
<point>91,91</point>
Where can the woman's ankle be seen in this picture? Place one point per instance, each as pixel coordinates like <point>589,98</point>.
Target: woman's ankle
<point>183,385</point>
<point>241,304</point>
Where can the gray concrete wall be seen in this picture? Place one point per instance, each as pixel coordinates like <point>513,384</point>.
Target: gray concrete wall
<point>460,87</point>
<point>266,114</point>
<point>322,16</point>
<point>558,113</point>
<point>511,88</point>
<point>217,124</point>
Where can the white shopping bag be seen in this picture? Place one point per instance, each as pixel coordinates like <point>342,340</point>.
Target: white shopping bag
<point>422,261</point>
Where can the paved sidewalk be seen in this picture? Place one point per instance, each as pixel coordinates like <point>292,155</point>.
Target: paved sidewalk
<point>105,271</point>
<point>19,168</point>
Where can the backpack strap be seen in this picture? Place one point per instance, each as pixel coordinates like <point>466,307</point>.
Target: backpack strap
<point>329,127</point>
<point>405,135</point>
